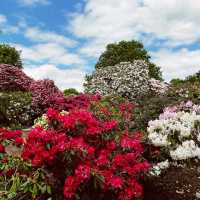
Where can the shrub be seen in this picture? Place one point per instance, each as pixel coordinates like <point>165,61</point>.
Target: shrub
<point>125,79</point>
<point>45,94</point>
<point>18,179</point>
<point>158,87</point>
<point>15,109</point>
<point>177,132</point>
<point>70,91</point>
<point>150,106</point>
<point>186,91</point>
<point>82,101</point>
<point>82,150</point>
<point>13,79</point>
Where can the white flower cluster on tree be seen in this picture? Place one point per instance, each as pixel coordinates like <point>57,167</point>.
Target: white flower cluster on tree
<point>178,131</point>
<point>125,79</point>
<point>158,87</point>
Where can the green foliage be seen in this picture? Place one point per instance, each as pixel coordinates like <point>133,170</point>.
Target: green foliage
<point>187,89</point>
<point>115,107</point>
<point>15,109</point>
<point>149,108</point>
<point>176,81</point>
<point>190,79</point>
<point>9,55</point>
<point>125,51</point>
<point>193,78</point>
<point>70,91</point>
<point>25,182</point>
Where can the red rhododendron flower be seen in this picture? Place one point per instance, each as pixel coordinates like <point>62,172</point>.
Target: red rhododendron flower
<point>79,147</point>
<point>115,182</point>
<point>70,187</point>
<point>2,149</point>
<point>19,141</point>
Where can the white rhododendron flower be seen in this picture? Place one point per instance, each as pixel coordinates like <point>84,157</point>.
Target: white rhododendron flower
<point>177,130</point>
<point>188,149</point>
<point>157,169</point>
<point>125,79</point>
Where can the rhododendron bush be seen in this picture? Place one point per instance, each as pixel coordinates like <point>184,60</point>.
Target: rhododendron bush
<point>126,79</point>
<point>84,151</point>
<point>46,94</point>
<point>42,94</point>
<point>13,79</point>
<point>177,132</point>
<point>18,179</point>
<point>15,109</point>
<point>77,148</point>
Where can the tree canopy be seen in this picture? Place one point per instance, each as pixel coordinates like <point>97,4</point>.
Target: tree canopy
<point>125,51</point>
<point>9,55</point>
<point>70,91</point>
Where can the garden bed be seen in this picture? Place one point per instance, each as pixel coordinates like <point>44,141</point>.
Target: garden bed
<point>175,184</point>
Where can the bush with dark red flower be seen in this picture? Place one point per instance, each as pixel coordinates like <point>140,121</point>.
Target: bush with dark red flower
<point>46,94</point>
<point>13,79</point>
<point>80,149</point>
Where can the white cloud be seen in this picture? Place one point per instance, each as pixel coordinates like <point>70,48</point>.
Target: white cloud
<point>176,22</point>
<point>3,19</point>
<point>33,2</point>
<point>37,35</point>
<point>51,53</point>
<point>177,64</point>
<point>5,27</point>
<point>103,22</point>
<point>64,78</point>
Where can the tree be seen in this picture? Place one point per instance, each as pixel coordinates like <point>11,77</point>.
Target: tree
<point>125,51</point>
<point>9,55</point>
<point>70,91</point>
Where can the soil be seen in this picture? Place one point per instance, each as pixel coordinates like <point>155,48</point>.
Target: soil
<point>175,184</point>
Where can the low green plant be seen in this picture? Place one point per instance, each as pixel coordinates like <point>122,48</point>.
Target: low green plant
<point>20,181</point>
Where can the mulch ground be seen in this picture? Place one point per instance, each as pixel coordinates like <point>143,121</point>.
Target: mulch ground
<point>175,184</point>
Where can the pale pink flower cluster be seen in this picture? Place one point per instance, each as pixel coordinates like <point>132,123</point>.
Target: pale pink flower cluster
<point>177,130</point>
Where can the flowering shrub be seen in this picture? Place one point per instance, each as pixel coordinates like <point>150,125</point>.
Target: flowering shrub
<point>18,179</point>
<point>125,79</point>
<point>82,101</point>
<point>45,93</point>
<point>177,132</point>
<point>78,148</point>
<point>158,87</point>
<point>13,79</point>
<point>186,89</point>
<point>15,109</point>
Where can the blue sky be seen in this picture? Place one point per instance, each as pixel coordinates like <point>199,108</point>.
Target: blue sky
<point>62,39</point>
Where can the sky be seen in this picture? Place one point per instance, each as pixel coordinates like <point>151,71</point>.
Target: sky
<point>62,39</point>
